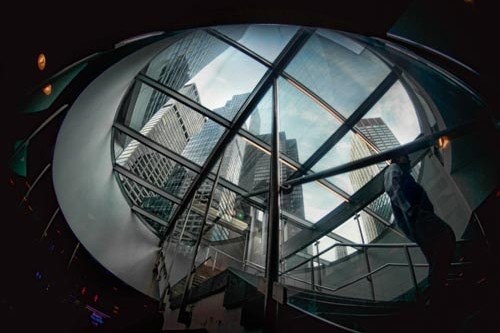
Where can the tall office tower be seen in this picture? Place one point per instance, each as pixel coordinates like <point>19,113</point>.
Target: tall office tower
<point>172,126</point>
<point>173,67</point>
<point>197,150</point>
<point>375,130</point>
<point>344,78</point>
<point>255,175</point>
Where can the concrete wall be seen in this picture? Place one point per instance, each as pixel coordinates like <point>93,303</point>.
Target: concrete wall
<point>210,314</point>
<point>86,188</point>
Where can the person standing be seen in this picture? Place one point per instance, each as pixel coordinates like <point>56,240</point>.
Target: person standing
<point>414,215</point>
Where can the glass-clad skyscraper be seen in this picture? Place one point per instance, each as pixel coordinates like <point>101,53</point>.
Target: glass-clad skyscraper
<point>379,135</point>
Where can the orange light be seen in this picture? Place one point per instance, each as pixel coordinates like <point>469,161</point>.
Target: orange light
<point>41,61</point>
<point>443,142</point>
<point>47,90</point>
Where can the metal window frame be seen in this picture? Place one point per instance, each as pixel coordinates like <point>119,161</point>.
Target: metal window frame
<point>297,41</point>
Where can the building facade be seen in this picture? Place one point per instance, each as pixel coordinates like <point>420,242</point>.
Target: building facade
<point>379,134</point>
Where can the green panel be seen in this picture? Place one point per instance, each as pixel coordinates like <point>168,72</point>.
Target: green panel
<point>38,101</point>
<point>17,162</point>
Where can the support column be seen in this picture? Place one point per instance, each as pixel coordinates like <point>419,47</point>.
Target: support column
<point>272,256</point>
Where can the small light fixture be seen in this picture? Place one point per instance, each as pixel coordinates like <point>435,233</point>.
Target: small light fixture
<point>443,142</point>
<point>41,61</point>
<point>47,89</point>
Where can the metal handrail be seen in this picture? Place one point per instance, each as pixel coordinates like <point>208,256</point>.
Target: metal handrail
<point>351,282</point>
<point>390,245</point>
<point>371,273</point>
<point>377,245</point>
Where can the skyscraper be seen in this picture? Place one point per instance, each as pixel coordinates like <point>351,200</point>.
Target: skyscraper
<point>173,68</point>
<point>172,126</point>
<point>197,150</point>
<point>255,175</point>
<point>375,130</point>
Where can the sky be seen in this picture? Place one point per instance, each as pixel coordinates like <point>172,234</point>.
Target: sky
<point>232,73</point>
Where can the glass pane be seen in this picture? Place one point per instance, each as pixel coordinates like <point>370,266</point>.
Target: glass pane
<point>340,71</point>
<point>290,228</point>
<point>194,220</point>
<point>246,165</point>
<point>392,121</point>
<point>221,76</point>
<point>349,230</point>
<point>313,200</point>
<point>382,207</point>
<point>299,263</point>
<point>266,40</point>
<point>257,243</point>
<point>327,273</point>
<point>304,125</point>
<point>259,122</point>
<point>149,201</point>
<point>203,142</point>
<point>336,252</point>
<point>156,168</point>
<point>231,211</point>
<point>294,202</point>
<point>350,148</point>
<point>158,117</point>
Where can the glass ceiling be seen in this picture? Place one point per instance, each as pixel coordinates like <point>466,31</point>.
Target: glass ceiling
<point>201,112</point>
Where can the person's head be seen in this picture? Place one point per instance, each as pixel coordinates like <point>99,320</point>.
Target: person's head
<point>403,161</point>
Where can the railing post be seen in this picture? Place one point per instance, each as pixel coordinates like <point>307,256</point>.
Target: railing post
<point>319,264</point>
<point>245,250</point>
<point>184,316</point>
<point>365,252</point>
<point>215,260</point>
<point>412,272</point>
<point>313,285</point>
<point>369,277</point>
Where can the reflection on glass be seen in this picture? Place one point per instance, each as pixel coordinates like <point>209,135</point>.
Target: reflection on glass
<point>303,259</point>
<point>259,121</point>
<point>343,74</point>
<point>349,230</point>
<point>247,165</point>
<point>160,118</point>
<point>257,243</point>
<point>150,202</point>
<point>201,144</point>
<point>190,222</point>
<point>266,40</point>
<point>156,168</point>
<point>313,199</point>
<point>218,71</point>
<point>350,148</point>
<point>336,252</point>
<point>392,121</point>
<point>304,125</point>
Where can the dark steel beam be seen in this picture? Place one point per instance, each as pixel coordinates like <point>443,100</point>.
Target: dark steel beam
<point>273,221</point>
<point>248,106</point>
<point>349,123</point>
<point>184,100</point>
<point>418,144</point>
